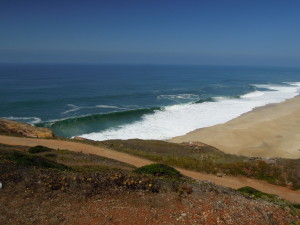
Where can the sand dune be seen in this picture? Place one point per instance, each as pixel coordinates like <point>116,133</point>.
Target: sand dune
<point>269,131</point>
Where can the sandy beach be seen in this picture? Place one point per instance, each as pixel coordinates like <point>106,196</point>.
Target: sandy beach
<point>269,131</point>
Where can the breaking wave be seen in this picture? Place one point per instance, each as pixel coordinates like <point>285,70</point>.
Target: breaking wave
<point>180,119</point>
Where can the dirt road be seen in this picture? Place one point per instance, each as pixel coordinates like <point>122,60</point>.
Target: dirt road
<point>227,181</point>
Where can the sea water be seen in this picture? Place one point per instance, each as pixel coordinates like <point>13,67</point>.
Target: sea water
<point>102,102</point>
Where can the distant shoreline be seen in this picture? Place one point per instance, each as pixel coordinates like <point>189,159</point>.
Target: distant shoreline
<point>272,130</point>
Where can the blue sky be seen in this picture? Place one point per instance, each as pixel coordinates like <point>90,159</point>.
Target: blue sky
<point>214,32</point>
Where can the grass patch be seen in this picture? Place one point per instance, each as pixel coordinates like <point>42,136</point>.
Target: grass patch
<point>205,158</point>
<point>38,149</point>
<point>94,169</point>
<point>158,170</point>
<point>41,156</point>
<point>252,192</point>
<point>50,155</point>
<point>33,161</point>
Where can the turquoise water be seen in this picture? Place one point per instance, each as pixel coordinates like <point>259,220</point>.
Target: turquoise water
<point>149,101</point>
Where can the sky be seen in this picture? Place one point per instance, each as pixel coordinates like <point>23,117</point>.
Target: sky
<point>210,32</point>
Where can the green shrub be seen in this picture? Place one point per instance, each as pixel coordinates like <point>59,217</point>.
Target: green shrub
<point>255,193</point>
<point>158,170</point>
<point>38,149</point>
<point>51,155</point>
<point>35,161</point>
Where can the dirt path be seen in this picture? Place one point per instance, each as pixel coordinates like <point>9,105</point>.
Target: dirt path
<point>227,181</point>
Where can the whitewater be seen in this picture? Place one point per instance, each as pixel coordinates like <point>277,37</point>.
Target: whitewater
<point>137,101</point>
<point>179,119</point>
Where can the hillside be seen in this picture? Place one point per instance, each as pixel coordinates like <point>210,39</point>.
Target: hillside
<point>56,180</point>
<point>47,186</point>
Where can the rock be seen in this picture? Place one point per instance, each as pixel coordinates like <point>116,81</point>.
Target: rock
<point>179,218</point>
<point>80,139</point>
<point>220,174</point>
<point>0,185</point>
<point>270,161</point>
<point>204,182</point>
<point>19,128</point>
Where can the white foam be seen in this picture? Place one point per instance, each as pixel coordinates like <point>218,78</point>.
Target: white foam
<point>108,107</point>
<point>179,97</point>
<point>75,108</point>
<point>253,94</point>
<point>180,119</point>
<point>293,83</point>
<point>30,120</point>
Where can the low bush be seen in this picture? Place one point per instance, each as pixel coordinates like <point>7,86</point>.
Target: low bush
<point>38,149</point>
<point>51,155</point>
<point>252,192</point>
<point>158,170</point>
<point>35,161</point>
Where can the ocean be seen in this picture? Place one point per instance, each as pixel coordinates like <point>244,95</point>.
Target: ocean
<point>102,102</point>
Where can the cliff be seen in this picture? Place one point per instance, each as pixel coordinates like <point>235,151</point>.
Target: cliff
<point>24,129</point>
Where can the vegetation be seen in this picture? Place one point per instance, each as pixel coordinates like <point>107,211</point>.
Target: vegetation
<point>252,192</point>
<point>73,170</point>
<point>51,155</point>
<point>38,149</point>
<point>158,170</point>
<point>184,190</point>
<point>32,161</point>
<point>297,206</point>
<point>43,157</point>
<point>88,175</point>
<point>208,159</point>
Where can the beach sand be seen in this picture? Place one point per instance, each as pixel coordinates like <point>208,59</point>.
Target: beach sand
<point>269,131</point>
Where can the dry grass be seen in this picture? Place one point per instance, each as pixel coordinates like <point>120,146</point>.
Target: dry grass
<point>205,158</point>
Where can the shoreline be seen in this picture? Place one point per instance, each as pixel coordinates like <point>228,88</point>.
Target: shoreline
<point>272,130</point>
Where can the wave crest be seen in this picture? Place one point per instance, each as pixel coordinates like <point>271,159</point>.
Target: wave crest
<point>180,119</point>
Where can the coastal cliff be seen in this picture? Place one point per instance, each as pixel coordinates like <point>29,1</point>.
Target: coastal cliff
<point>23,129</point>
